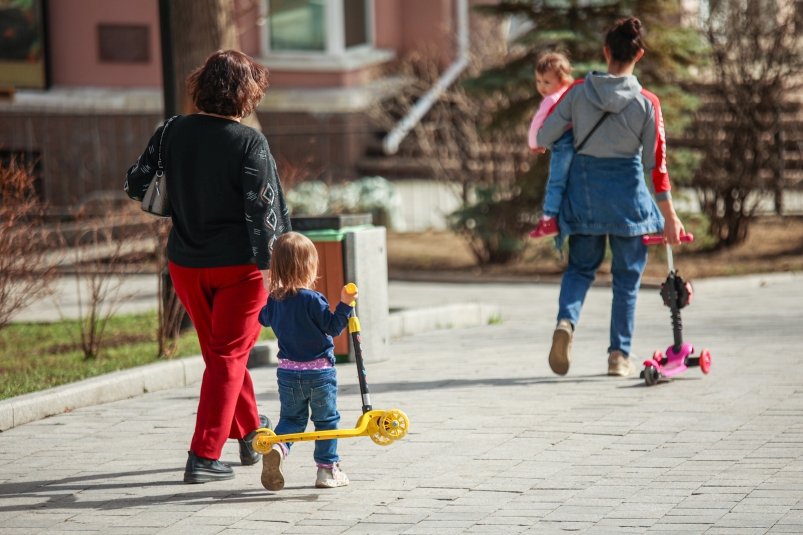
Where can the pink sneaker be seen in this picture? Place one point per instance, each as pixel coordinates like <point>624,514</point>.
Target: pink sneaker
<point>545,228</point>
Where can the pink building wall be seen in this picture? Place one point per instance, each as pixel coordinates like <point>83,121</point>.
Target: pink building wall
<point>400,25</point>
<point>73,45</point>
<point>423,25</point>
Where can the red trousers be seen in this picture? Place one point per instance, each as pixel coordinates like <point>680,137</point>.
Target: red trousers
<point>223,304</point>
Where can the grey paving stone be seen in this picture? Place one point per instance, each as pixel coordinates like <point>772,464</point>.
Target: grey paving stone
<point>497,443</point>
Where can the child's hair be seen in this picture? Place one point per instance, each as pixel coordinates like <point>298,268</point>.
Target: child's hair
<point>624,39</point>
<point>556,63</point>
<point>293,265</point>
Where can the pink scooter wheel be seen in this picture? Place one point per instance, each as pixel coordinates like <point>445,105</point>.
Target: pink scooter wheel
<point>705,361</point>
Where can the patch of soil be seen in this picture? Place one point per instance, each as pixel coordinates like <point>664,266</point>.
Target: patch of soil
<point>774,244</point>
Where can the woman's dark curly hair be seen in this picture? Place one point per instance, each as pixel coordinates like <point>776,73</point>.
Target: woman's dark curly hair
<point>230,83</point>
<point>624,39</point>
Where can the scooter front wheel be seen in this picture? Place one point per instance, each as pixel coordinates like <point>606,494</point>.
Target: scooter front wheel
<point>375,434</point>
<point>394,424</point>
<point>705,361</point>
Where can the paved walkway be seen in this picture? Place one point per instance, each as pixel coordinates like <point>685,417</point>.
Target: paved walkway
<point>497,443</point>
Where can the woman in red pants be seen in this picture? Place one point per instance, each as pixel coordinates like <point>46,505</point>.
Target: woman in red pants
<point>227,209</point>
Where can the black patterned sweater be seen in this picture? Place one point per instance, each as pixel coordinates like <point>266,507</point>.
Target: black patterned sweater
<point>227,202</point>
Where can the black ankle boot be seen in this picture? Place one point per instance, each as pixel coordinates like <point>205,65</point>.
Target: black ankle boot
<point>201,470</point>
<point>247,454</point>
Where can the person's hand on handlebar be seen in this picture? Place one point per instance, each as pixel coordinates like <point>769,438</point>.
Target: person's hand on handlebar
<point>673,227</point>
<point>346,297</point>
<point>673,230</point>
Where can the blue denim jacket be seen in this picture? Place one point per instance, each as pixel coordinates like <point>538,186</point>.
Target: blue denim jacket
<point>608,196</point>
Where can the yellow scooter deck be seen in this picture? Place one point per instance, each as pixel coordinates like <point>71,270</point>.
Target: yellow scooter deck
<point>383,426</point>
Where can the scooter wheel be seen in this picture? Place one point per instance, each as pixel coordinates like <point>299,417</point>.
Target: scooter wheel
<point>705,361</point>
<point>651,375</point>
<point>394,424</point>
<point>378,438</point>
<point>262,441</point>
<point>658,357</point>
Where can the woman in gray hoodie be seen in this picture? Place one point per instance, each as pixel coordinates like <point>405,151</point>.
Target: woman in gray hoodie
<point>621,134</point>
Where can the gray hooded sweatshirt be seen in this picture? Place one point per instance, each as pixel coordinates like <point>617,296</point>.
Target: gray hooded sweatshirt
<point>634,126</point>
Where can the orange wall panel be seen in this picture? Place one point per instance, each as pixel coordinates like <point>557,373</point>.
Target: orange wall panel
<point>330,281</point>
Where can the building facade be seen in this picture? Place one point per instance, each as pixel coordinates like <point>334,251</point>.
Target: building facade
<point>82,99</point>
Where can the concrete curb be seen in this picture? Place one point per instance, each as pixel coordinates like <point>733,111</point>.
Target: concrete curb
<point>454,316</point>
<point>186,371</point>
<point>102,389</point>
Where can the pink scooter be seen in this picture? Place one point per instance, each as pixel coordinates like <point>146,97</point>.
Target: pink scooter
<point>676,294</point>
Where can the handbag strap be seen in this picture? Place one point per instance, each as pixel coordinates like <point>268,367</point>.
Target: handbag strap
<point>580,145</point>
<point>159,165</point>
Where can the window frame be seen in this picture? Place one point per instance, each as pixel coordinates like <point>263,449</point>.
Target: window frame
<point>335,29</point>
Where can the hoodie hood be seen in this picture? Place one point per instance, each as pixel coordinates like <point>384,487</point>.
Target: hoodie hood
<point>611,93</point>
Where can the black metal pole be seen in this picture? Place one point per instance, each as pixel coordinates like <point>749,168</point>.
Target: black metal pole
<point>171,108</point>
<point>168,67</point>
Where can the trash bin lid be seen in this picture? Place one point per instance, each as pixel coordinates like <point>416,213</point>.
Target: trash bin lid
<point>331,234</point>
<point>329,222</point>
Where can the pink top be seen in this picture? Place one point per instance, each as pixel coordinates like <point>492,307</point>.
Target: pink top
<point>317,364</point>
<point>540,116</point>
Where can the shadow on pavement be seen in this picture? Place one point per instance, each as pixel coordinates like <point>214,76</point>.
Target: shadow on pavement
<point>468,383</point>
<point>63,494</point>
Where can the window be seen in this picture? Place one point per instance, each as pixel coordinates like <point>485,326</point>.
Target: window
<point>297,25</point>
<point>327,27</point>
<point>119,43</point>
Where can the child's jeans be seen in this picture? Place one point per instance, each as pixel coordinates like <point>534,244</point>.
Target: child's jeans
<point>559,163</point>
<point>305,391</point>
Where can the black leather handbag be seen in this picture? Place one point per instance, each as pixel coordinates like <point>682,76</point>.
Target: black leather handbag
<point>156,201</point>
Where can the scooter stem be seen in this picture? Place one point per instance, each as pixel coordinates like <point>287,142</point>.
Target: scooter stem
<point>670,261</point>
<point>354,331</point>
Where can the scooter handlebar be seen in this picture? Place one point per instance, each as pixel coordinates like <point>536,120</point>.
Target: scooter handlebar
<point>351,288</point>
<point>658,239</point>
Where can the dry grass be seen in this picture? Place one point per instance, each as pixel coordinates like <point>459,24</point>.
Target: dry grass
<point>774,245</point>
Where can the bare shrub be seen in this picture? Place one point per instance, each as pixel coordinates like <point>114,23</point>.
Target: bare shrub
<point>490,169</point>
<point>757,51</point>
<point>26,267</point>
<point>103,251</point>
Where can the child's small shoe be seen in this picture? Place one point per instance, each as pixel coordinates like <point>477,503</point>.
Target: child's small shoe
<point>272,476</point>
<point>330,478</point>
<point>547,226</point>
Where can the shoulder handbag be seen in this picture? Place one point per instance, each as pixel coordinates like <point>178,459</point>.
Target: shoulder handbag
<point>582,143</point>
<point>156,201</point>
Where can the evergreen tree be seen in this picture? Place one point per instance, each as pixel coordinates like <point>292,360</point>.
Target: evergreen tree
<point>577,27</point>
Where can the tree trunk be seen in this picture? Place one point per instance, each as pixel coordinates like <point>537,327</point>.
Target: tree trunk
<point>777,159</point>
<point>200,28</point>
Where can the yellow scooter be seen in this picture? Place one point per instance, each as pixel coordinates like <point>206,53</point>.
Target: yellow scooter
<point>383,426</point>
